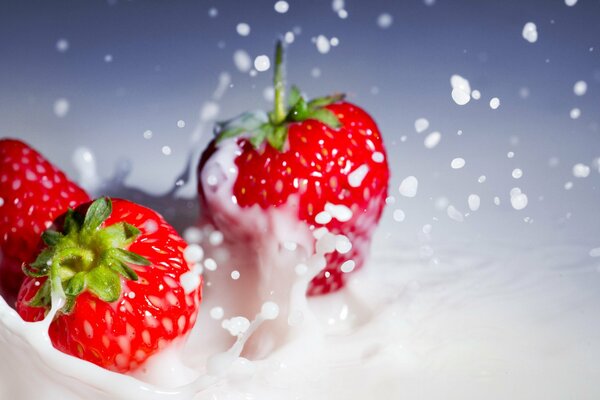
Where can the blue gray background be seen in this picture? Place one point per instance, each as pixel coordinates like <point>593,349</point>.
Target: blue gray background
<point>167,57</point>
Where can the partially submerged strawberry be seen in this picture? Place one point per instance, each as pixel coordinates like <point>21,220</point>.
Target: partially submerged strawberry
<point>326,151</point>
<point>33,192</point>
<point>118,267</point>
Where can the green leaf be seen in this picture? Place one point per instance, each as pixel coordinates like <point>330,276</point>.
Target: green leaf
<point>128,257</point>
<point>325,116</point>
<point>73,222</point>
<point>278,138</point>
<point>121,234</point>
<point>230,133</point>
<point>123,269</point>
<point>69,305</point>
<point>104,283</point>
<point>244,123</point>
<point>41,265</point>
<point>295,96</point>
<point>259,135</point>
<point>76,284</point>
<point>51,237</point>
<point>325,101</point>
<point>299,112</point>
<point>98,212</point>
<point>43,296</point>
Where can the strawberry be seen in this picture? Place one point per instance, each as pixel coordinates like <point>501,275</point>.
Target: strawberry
<point>326,151</point>
<point>33,193</point>
<point>117,265</point>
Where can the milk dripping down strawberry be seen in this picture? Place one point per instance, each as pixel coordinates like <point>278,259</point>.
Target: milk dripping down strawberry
<point>326,154</point>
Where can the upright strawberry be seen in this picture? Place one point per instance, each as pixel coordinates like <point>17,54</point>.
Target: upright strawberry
<point>117,265</point>
<point>327,152</point>
<point>33,193</point>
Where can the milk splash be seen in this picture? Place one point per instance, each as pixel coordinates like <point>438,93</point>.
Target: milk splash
<point>279,257</point>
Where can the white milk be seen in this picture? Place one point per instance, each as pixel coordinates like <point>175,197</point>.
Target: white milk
<point>475,322</point>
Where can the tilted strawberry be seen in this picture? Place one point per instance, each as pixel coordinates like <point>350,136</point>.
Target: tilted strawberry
<point>119,269</point>
<point>326,151</point>
<point>33,192</point>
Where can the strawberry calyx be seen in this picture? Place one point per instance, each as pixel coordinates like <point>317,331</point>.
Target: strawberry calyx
<point>85,256</point>
<point>273,128</point>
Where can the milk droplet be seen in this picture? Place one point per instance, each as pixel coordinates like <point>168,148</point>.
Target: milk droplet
<point>408,187</point>
<point>377,157</point>
<point>190,281</point>
<point>62,45</point>
<point>323,45</point>
<point>494,103</point>
<point>421,124</point>
<point>61,107</point>
<point>242,60</point>
<point>193,253</point>
<point>384,20</point>
<point>262,63</point>
<point>192,235</point>
<point>482,179</point>
<point>460,97</point>
<point>356,177</point>
<point>530,32</point>
<point>217,313</point>
<point>581,171</point>
<point>269,310</point>
<point>570,3</point>
<point>339,212</point>
<point>580,88</point>
<point>399,215</point>
<point>595,252</point>
<point>568,185</point>
<point>461,90</point>
<point>235,275</point>
<point>518,200</point>
<point>323,218</point>
<point>342,244</point>
<point>432,140</point>
<point>282,7</point>
<point>575,113</point>
<point>474,202</point>
<point>166,150</point>
<point>517,173</point>
<point>454,214</point>
<point>236,325</point>
<point>348,266</point>
<point>181,123</point>
<point>476,94</point>
<point>243,29</point>
<point>457,163</point>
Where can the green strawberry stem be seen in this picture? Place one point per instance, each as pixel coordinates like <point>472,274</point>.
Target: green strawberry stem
<point>279,111</point>
<point>85,257</point>
<point>275,130</point>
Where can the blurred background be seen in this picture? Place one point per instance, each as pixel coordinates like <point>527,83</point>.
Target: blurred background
<point>489,109</point>
<point>139,84</point>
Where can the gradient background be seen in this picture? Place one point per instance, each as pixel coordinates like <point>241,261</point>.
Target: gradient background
<point>167,57</point>
<point>529,306</point>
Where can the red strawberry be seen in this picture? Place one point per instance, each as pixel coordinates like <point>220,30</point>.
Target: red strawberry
<point>119,267</point>
<point>328,152</point>
<point>33,193</point>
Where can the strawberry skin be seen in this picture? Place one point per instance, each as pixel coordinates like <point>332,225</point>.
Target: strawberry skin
<point>151,310</point>
<point>317,165</point>
<point>33,193</point>
<point>326,151</point>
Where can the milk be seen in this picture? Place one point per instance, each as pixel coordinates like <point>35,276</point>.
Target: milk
<point>491,321</point>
